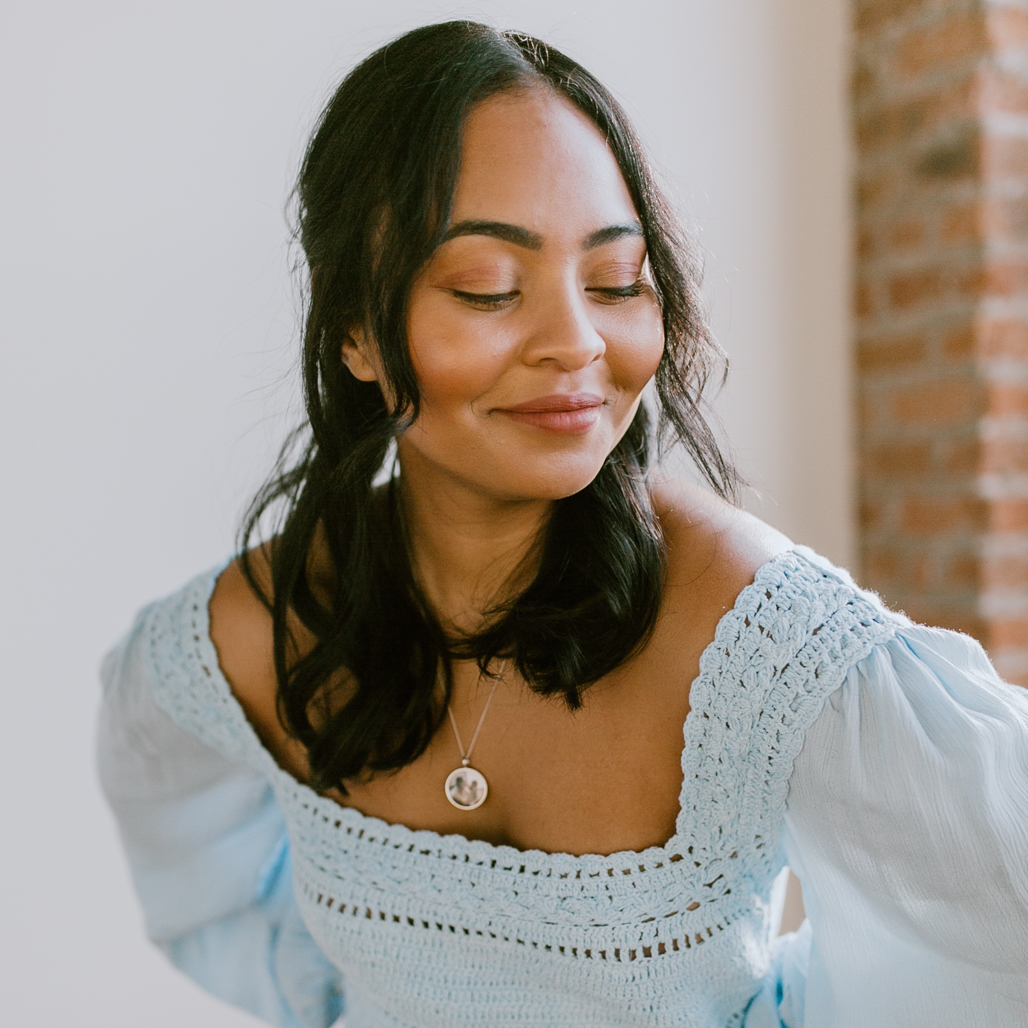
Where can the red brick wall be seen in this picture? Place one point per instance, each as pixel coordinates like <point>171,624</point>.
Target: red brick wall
<point>940,95</point>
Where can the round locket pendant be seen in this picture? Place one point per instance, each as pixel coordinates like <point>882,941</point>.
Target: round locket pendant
<point>466,788</point>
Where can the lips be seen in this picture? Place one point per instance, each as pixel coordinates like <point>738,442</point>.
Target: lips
<point>563,413</point>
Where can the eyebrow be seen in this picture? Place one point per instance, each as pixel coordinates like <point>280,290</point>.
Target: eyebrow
<point>610,233</point>
<point>499,230</point>
<point>532,240</point>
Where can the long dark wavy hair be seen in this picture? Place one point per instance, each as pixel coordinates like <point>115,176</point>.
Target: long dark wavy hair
<point>373,200</point>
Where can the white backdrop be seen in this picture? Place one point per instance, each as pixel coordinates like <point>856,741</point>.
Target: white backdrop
<point>148,335</point>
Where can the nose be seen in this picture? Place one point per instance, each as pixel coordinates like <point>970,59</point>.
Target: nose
<point>564,335</point>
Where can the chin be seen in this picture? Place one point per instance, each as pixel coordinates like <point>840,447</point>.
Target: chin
<point>541,482</point>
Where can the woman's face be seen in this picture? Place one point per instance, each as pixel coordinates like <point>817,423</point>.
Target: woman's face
<point>533,329</point>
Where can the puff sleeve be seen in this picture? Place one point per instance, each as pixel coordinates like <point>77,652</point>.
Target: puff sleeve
<point>907,823</point>
<point>209,856</point>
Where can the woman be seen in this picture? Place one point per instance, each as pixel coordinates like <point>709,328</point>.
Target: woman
<point>420,757</point>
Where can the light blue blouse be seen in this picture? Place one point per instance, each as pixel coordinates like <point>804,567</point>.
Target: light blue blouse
<point>883,761</point>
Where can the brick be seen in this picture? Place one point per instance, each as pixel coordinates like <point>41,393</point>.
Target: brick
<point>897,460</point>
<point>960,343</point>
<point>946,120</point>
<point>881,565</point>
<point>972,282</point>
<point>954,104</point>
<point>886,125</point>
<point>960,572</point>
<point>919,572</point>
<point>956,40</point>
<point>1007,633</point>
<point>956,156</point>
<point>871,514</point>
<point>1008,515</point>
<point>1005,218</point>
<point>889,353</point>
<point>875,188</point>
<point>871,129</point>
<point>1007,27</point>
<point>863,79</point>
<point>1002,91</point>
<point>907,235</point>
<point>998,278</point>
<point>868,410</point>
<point>959,458</point>
<point>1004,456</point>
<point>1004,157</point>
<point>1008,573</point>
<point>944,402</point>
<point>961,224</point>
<point>1005,399</point>
<point>1003,338</point>
<point>863,300</point>
<point>916,288</point>
<point>939,515</point>
<point>872,15</point>
<point>1005,278</point>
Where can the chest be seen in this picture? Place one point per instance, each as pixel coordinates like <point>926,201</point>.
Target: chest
<point>605,778</point>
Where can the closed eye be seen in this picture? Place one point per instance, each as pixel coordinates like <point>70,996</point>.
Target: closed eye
<point>615,294</point>
<point>487,301</point>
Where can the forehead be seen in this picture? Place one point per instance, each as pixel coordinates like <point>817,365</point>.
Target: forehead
<point>530,158</point>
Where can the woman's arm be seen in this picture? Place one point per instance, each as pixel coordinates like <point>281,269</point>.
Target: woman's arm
<point>907,822</point>
<point>209,855</point>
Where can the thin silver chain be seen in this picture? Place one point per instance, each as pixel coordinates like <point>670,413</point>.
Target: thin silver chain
<point>465,757</point>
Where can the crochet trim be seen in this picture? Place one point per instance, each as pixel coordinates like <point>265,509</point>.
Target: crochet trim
<point>674,934</point>
<point>785,645</point>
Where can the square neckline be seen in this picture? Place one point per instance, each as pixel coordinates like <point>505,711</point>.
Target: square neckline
<point>426,840</point>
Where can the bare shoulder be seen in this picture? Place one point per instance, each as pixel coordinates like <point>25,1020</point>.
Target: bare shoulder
<point>714,548</point>
<point>241,626</point>
<point>242,633</point>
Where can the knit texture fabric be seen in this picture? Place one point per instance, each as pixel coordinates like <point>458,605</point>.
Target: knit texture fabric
<point>433,930</point>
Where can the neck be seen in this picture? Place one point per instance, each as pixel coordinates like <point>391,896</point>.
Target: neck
<point>469,550</point>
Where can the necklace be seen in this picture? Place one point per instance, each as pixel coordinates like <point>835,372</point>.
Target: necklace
<point>466,787</point>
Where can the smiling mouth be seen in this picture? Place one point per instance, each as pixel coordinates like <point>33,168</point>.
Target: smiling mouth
<point>562,413</point>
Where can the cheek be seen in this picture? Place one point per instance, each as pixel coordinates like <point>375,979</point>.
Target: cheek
<point>636,347</point>
<point>455,359</point>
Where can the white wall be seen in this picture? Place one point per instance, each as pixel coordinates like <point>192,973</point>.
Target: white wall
<point>147,332</point>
